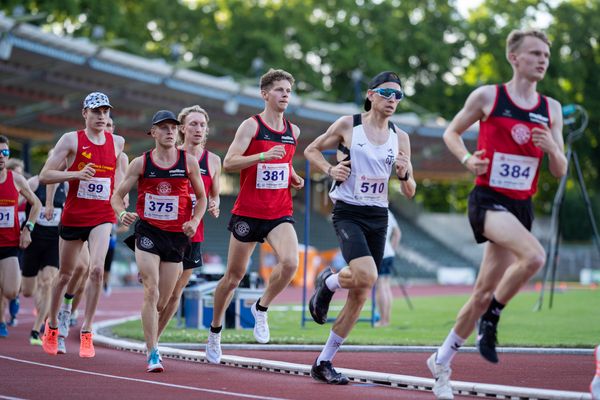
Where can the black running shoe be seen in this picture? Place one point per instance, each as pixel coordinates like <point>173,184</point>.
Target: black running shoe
<point>487,341</point>
<point>324,372</point>
<point>319,301</point>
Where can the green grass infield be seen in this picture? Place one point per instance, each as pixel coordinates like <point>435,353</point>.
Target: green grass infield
<point>574,321</point>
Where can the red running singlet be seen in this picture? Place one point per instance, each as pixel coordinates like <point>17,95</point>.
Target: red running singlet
<point>506,137</point>
<point>163,198</point>
<point>207,180</point>
<point>265,187</point>
<point>88,202</point>
<point>10,231</point>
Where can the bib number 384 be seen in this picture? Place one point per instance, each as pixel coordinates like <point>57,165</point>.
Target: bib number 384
<point>272,176</point>
<point>94,189</point>
<point>513,172</point>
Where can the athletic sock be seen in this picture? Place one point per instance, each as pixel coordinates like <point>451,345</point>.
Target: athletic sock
<point>333,282</point>
<point>216,329</point>
<point>449,348</point>
<point>259,307</point>
<point>67,302</point>
<point>331,347</point>
<point>493,312</point>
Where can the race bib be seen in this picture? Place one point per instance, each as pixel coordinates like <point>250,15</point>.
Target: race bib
<point>7,217</point>
<point>22,216</point>
<point>41,220</point>
<point>272,176</point>
<point>162,208</point>
<point>370,189</point>
<point>94,189</point>
<point>513,172</point>
<point>193,198</point>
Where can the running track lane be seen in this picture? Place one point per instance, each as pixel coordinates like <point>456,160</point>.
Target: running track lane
<point>34,376</point>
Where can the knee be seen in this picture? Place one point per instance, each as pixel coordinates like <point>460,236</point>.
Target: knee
<point>289,265</point>
<point>96,274</point>
<point>534,261</point>
<point>366,278</point>
<point>151,295</point>
<point>27,292</point>
<point>232,279</point>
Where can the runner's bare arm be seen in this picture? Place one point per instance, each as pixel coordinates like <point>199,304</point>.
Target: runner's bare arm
<point>65,149</point>
<point>338,132</point>
<point>117,200</point>
<point>550,140</point>
<point>189,227</point>
<point>214,198</point>
<point>36,206</point>
<point>477,105</point>
<point>404,166</point>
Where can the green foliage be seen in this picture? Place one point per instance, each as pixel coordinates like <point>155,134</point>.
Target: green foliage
<point>441,55</point>
<point>427,324</point>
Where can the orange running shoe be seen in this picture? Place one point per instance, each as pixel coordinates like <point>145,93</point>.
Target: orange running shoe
<point>86,349</point>
<point>50,340</point>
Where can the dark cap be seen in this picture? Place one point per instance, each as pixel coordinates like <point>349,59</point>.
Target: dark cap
<point>162,116</point>
<point>381,78</point>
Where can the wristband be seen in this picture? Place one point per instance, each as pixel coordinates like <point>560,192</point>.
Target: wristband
<point>261,156</point>
<point>29,225</point>
<point>121,215</point>
<point>465,158</point>
<point>405,178</point>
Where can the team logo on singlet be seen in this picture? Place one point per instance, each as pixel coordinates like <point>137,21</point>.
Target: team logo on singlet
<point>164,188</point>
<point>81,166</point>
<point>242,228</point>
<point>520,133</point>
<point>86,154</point>
<point>146,243</point>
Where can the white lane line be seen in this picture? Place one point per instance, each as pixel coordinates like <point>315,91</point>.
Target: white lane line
<point>124,378</point>
<point>10,398</point>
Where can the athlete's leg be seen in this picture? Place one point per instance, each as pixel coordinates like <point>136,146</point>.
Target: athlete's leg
<point>149,265</point>
<point>237,260</point>
<point>98,245</point>
<point>10,281</point>
<point>77,284</point>
<point>68,253</point>
<point>284,241</point>
<point>45,280</point>
<point>169,310</point>
<point>384,299</point>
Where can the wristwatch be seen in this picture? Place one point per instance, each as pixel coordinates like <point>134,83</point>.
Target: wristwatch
<point>405,178</point>
<point>29,225</point>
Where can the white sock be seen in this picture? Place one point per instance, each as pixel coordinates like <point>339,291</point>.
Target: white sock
<point>333,282</point>
<point>331,347</point>
<point>449,348</point>
<point>66,307</point>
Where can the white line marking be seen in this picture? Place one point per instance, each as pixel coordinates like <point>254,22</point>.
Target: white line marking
<point>197,389</point>
<point>10,398</point>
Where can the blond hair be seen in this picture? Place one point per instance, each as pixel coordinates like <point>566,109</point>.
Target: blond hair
<point>183,115</point>
<point>272,75</point>
<point>516,37</point>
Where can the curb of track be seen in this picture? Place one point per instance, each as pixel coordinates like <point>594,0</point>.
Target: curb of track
<point>356,376</point>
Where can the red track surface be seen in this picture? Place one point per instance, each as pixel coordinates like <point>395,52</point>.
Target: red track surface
<point>28,373</point>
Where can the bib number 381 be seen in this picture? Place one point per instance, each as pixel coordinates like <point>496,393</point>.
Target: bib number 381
<point>513,172</point>
<point>272,176</point>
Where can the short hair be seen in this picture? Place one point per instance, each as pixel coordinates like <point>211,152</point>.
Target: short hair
<point>15,163</point>
<point>272,75</point>
<point>183,115</point>
<point>3,139</point>
<point>515,39</point>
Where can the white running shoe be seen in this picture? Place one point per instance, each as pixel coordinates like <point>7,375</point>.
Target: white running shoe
<point>441,388</point>
<point>62,348</point>
<point>64,319</point>
<point>261,326</point>
<point>213,348</point>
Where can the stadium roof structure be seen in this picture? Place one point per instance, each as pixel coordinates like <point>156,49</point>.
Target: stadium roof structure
<point>44,79</point>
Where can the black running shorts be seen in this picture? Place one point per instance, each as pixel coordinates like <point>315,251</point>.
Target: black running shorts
<point>192,258</point>
<point>6,252</point>
<point>169,246</point>
<point>39,254</point>
<point>483,198</point>
<point>361,230</point>
<point>76,232</point>
<point>246,229</point>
